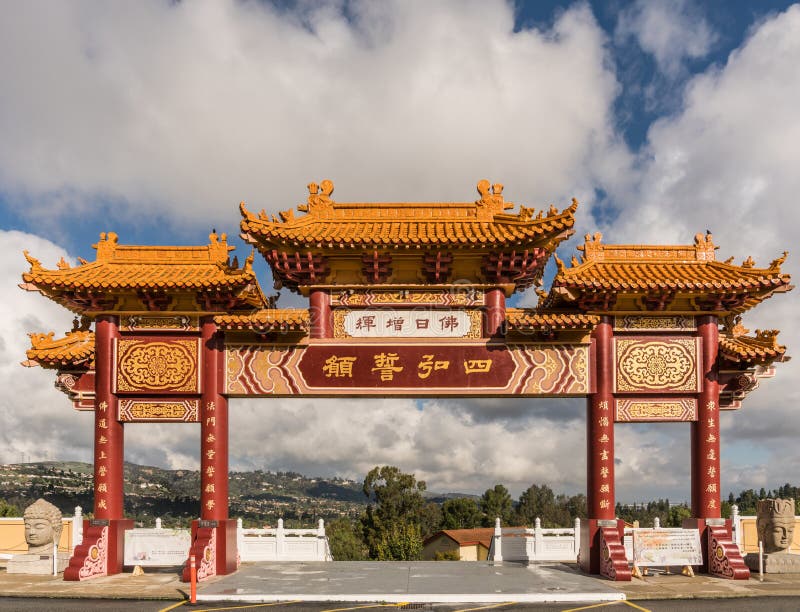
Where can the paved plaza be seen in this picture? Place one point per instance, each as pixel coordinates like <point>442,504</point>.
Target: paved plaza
<point>427,582</point>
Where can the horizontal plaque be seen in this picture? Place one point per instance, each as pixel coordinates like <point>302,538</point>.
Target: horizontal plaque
<point>407,323</point>
<point>666,547</point>
<point>636,410</point>
<point>154,364</point>
<point>159,410</point>
<point>407,369</point>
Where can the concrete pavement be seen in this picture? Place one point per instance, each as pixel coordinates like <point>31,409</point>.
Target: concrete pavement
<point>460,581</point>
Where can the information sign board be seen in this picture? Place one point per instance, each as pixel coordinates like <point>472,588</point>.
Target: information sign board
<point>666,547</point>
<point>157,547</point>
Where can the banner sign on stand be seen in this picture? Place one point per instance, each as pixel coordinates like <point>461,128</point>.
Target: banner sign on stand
<point>666,547</point>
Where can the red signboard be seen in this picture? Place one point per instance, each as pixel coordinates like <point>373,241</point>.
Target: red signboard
<point>378,368</point>
<point>402,367</point>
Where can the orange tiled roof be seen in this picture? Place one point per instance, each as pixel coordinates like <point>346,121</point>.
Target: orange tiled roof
<point>479,224</point>
<point>289,319</point>
<point>120,269</point>
<point>76,348</point>
<point>645,269</point>
<point>467,537</point>
<point>736,346</point>
<point>524,319</point>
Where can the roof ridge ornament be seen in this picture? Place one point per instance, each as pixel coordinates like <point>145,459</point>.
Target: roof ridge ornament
<point>317,201</point>
<point>491,200</point>
<point>704,246</point>
<point>768,337</point>
<point>592,246</point>
<point>106,247</point>
<point>35,263</point>
<point>775,264</point>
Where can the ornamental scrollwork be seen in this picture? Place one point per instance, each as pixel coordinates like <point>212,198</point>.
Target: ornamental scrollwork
<point>157,366</point>
<point>656,365</point>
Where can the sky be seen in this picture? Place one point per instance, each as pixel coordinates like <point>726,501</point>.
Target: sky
<point>153,119</point>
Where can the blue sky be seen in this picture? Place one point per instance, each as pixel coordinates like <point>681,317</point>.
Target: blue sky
<point>154,119</point>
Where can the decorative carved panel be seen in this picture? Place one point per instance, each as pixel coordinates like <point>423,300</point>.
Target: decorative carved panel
<point>634,410</point>
<point>651,324</point>
<point>159,323</point>
<point>157,365</point>
<point>651,364</point>
<point>455,296</point>
<point>159,411</point>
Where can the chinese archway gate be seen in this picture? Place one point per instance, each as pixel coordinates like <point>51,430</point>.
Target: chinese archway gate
<point>407,299</point>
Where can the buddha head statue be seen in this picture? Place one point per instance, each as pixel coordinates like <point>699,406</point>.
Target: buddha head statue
<point>42,526</point>
<point>775,524</point>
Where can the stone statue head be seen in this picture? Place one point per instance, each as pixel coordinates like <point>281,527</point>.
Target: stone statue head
<point>42,526</point>
<point>775,524</point>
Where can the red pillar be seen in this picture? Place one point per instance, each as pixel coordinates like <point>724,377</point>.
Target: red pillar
<point>213,429</point>
<point>600,501</point>
<point>101,552</point>
<point>706,499</point>
<point>494,313</point>
<point>214,535</point>
<point>720,552</point>
<point>108,432</point>
<point>320,313</point>
<point>601,550</point>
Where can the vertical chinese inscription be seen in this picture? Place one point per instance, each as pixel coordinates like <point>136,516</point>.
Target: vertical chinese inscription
<point>101,460</point>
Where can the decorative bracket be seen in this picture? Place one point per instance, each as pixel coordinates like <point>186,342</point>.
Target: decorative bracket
<point>437,266</point>
<point>376,268</point>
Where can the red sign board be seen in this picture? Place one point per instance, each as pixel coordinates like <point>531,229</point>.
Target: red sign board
<point>403,367</point>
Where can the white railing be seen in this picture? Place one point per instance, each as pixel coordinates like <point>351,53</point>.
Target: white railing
<point>537,544</point>
<point>282,544</point>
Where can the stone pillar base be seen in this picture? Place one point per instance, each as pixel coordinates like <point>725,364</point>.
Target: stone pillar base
<point>602,552</point>
<point>214,549</point>
<point>774,563</point>
<point>102,550</point>
<point>36,564</point>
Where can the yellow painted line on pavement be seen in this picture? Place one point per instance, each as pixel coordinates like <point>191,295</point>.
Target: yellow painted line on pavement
<point>499,605</point>
<point>608,603</point>
<point>173,606</point>
<point>393,605</point>
<point>251,606</point>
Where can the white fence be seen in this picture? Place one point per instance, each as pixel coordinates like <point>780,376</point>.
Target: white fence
<point>283,544</point>
<point>537,544</point>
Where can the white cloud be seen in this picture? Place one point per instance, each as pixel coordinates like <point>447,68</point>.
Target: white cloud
<point>672,31</point>
<point>37,420</point>
<point>235,101</point>
<point>183,109</point>
<point>727,161</point>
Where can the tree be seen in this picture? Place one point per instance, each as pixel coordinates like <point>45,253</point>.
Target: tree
<point>7,509</point>
<point>496,503</point>
<point>539,501</point>
<point>396,505</point>
<point>677,514</point>
<point>401,542</point>
<point>460,513</point>
<point>344,541</point>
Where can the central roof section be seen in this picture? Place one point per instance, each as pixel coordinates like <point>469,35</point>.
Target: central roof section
<point>407,242</point>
